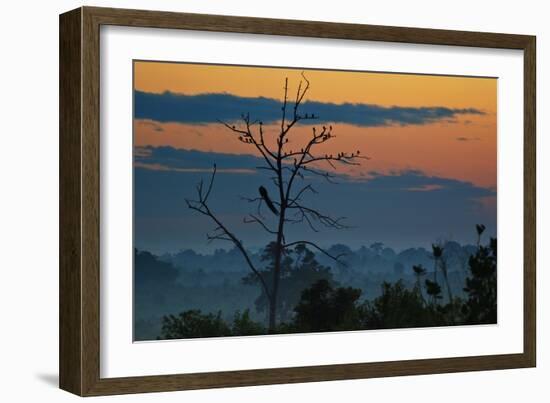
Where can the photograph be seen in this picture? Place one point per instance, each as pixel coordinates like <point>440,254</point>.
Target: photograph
<point>274,200</point>
<point>250,199</point>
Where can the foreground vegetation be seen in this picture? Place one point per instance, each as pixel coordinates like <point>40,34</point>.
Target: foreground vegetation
<point>312,301</point>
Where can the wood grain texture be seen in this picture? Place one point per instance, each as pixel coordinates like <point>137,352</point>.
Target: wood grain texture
<point>316,29</point>
<point>70,274</point>
<point>530,202</point>
<point>80,201</point>
<point>90,202</point>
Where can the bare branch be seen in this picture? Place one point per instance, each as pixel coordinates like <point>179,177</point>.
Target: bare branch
<point>221,232</point>
<point>254,219</point>
<point>336,258</point>
<point>348,159</point>
<point>214,237</point>
<point>300,192</point>
<point>326,175</point>
<point>258,200</point>
<point>308,214</point>
<point>247,137</point>
<point>300,97</point>
<point>284,113</point>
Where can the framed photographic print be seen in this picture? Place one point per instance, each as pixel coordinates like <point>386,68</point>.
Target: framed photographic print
<point>249,201</point>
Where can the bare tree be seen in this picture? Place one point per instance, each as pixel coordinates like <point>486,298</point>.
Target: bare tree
<point>285,166</point>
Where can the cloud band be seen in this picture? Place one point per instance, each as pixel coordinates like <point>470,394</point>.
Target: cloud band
<point>209,108</point>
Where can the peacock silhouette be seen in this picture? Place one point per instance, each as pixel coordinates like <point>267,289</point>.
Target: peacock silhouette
<point>265,196</point>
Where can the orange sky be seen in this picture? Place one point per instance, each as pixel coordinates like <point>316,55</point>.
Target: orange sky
<point>432,148</point>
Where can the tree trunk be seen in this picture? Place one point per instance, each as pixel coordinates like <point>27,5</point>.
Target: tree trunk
<point>280,230</point>
<point>276,272</point>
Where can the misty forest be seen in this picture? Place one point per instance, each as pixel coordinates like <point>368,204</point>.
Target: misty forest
<point>297,284</point>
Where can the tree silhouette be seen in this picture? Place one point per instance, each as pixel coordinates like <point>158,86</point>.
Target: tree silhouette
<point>419,272</point>
<point>481,285</point>
<point>377,247</point>
<point>286,167</point>
<point>323,308</point>
<point>399,307</point>
<point>299,270</point>
<point>480,228</point>
<point>195,324</point>
<point>310,300</point>
<point>433,289</point>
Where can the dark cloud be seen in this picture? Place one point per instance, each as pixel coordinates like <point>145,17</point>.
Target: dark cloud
<point>175,158</point>
<point>208,108</point>
<point>467,138</point>
<point>401,208</point>
<point>417,181</point>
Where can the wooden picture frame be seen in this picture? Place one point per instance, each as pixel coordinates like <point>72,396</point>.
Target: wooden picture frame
<point>79,346</point>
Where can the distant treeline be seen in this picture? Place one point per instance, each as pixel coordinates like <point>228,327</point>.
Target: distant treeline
<point>188,295</point>
<point>376,258</point>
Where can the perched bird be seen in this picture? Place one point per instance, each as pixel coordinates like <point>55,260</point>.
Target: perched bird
<point>265,196</point>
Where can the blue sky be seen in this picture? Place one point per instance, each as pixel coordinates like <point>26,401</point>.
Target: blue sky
<point>402,209</point>
<point>430,176</point>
